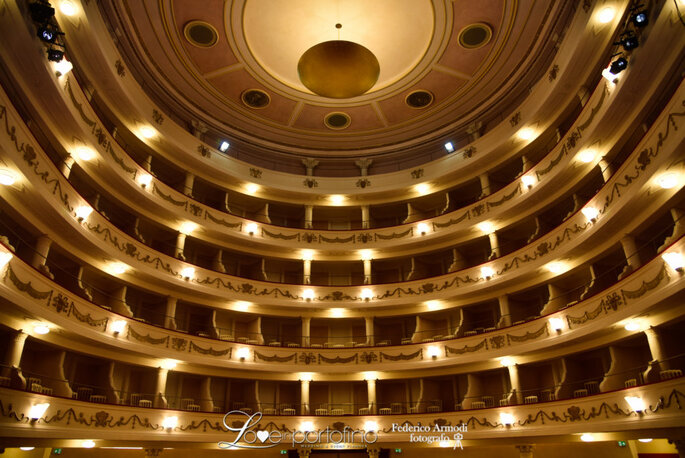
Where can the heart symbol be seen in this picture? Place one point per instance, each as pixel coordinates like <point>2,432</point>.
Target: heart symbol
<point>262,435</point>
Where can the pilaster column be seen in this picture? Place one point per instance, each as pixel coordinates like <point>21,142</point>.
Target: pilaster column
<point>118,302</point>
<point>218,263</point>
<point>206,401</point>
<point>630,251</point>
<point>160,390</point>
<point>606,169</point>
<point>180,245</point>
<point>307,271</point>
<point>371,396</point>
<point>474,130</point>
<point>308,216</point>
<point>366,218</point>
<point>364,165</point>
<point>515,383</point>
<point>40,256</point>
<point>494,245</point>
<point>147,164</point>
<point>525,451</point>
<point>527,165</point>
<point>504,311</point>
<point>306,330</point>
<point>484,184</point>
<point>170,313</point>
<point>199,128</point>
<point>367,271</point>
<point>188,185</point>
<point>304,396</point>
<point>309,165</point>
<point>458,261</point>
<point>14,352</point>
<point>65,166</point>
<point>369,330</point>
<point>656,347</point>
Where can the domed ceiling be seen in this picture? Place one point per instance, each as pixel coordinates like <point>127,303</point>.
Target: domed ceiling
<point>441,65</point>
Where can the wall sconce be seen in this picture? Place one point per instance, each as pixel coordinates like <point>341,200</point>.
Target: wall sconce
<point>487,272</point>
<point>507,419</point>
<point>5,258</point>
<point>590,213</point>
<point>144,179</point>
<point>370,425</point>
<point>187,227</point>
<point>38,410</point>
<point>307,255</point>
<point>507,361</point>
<point>528,181</point>
<point>557,324</point>
<point>486,227</point>
<point>367,294</point>
<point>84,153</point>
<point>170,422</point>
<point>83,212</point>
<point>168,364</point>
<point>7,177</point>
<point>675,261</point>
<point>188,272</point>
<point>308,294</point>
<point>433,351</point>
<point>118,326</point>
<point>636,403</point>
<point>243,353</point>
<point>251,228</point>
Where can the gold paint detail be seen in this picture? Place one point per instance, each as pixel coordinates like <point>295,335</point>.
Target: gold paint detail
<point>200,34</point>
<point>419,99</point>
<point>475,35</point>
<point>337,120</point>
<point>338,69</point>
<point>255,98</point>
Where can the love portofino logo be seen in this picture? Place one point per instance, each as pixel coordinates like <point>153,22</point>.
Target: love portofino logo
<point>249,438</point>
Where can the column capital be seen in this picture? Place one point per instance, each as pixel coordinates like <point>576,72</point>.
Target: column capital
<point>525,451</point>
<point>304,452</point>
<point>373,452</point>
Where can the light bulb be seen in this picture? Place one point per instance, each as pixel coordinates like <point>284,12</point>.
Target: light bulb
<point>187,227</point>
<point>38,410</point>
<point>84,153</point>
<point>118,326</point>
<point>147,132</point>
<point>606,15</point>
<point>587,155</point>
<point>526,133</point>
<point>7,177</point>
<point>188,272</point>
<point>83,211</point>
<point>68,8</point>
<point>41,329</point>
<point>170,422</point>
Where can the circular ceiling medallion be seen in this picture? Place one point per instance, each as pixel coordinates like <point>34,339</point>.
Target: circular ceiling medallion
<point>255,98</point>
<point>200,33</point>
<point>337,120</point>
<point>338,69</point>
<point>475,35</point>
<point>419,99</point>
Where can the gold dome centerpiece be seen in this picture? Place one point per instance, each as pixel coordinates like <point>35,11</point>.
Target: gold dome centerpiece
<point>338,69</point>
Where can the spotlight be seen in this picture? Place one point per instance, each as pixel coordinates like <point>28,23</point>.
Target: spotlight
<point>55,55</point>
<point>41,12</point>
<point>640,19</point>
<point>47,33</point>
<point>629,41</point>
<point>618,65</point>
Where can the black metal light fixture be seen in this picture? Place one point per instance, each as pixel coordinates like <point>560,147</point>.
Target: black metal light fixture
<point>618,65</point>
<point>41,11</point>
<point>640,19</point>
<point>629,41</point>
<point>55,55</point>
<point>48,33</point>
